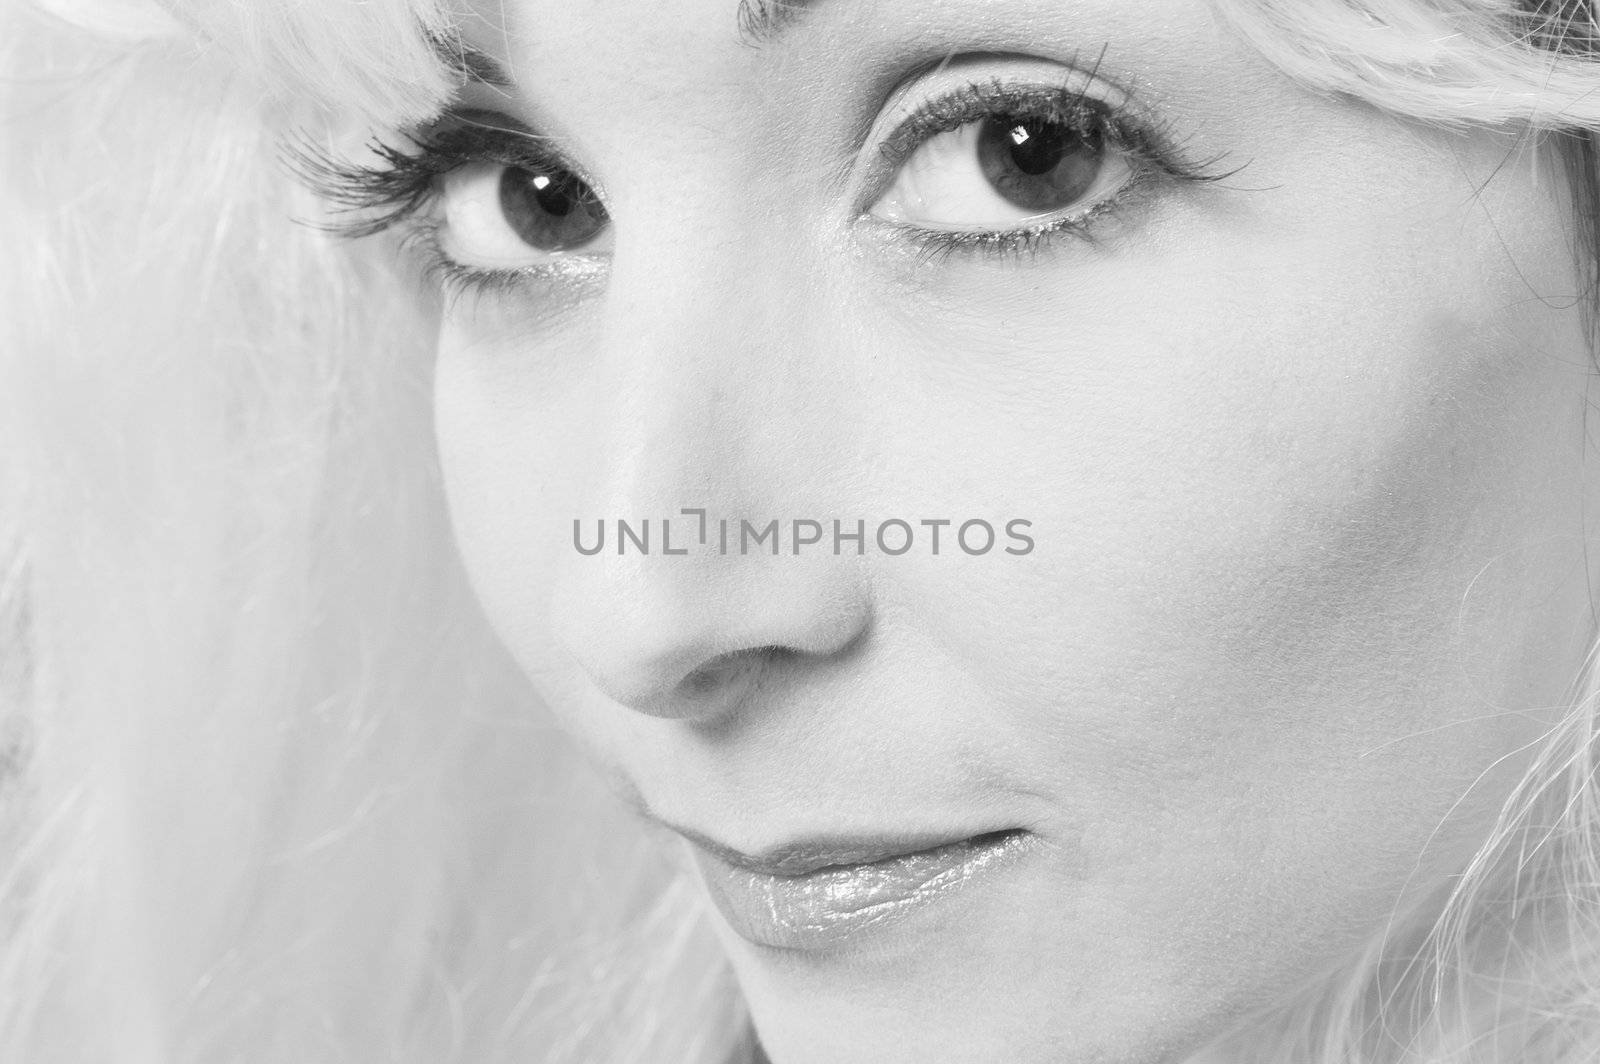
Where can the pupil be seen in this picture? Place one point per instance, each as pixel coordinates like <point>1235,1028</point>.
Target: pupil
<point>1038,164</point>
<point>551,211</point>
<point>1037,147</point>
<point>551,196</point>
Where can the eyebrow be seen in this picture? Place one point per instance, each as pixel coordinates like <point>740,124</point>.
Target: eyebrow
<point>472,64</point>
<point>761,21</point>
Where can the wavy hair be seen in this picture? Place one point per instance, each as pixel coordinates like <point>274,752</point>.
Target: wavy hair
<point>269,789</point>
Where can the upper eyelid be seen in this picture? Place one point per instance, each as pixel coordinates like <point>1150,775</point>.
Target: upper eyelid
<point>899,115</point>
<point>401,184</point>
<point>500,139</point>
<point>1083,87</point>
<point>976,102</point>
<point>1132,126</point>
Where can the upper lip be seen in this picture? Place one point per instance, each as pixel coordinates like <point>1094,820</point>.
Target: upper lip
<point>804,856</point>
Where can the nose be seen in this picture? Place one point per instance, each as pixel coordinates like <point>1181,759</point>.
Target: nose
<point>690,649</point>
<point>707,395</point>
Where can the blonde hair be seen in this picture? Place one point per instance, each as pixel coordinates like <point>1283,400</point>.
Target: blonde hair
<point>242,679</point>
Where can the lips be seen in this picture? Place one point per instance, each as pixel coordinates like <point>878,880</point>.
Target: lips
<point>823,894</point>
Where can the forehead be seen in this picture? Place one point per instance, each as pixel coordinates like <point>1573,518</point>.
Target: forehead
<point>721,52</point>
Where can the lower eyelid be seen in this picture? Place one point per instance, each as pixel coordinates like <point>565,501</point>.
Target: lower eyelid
<point>458,280</point>
<point>1089,226</point>
<point>1014,84</point>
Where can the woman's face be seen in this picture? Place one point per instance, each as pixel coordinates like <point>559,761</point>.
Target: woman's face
<point>1285,395</point>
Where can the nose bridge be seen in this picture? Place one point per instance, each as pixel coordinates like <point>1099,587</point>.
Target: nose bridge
<point>655,436</point>
<point>682,387</point>
<point>717,365</point>
<point>699,408</point>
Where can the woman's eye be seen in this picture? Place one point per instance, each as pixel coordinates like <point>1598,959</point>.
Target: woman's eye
<point>1003,172</point>
<point>509,216</point>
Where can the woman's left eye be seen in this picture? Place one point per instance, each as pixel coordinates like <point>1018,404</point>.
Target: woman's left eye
<point>1005,172</point>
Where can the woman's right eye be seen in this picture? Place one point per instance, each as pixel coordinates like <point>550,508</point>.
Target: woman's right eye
<point>496,216</point>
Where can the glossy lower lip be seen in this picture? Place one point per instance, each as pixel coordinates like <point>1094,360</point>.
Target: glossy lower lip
<point>819,896</point>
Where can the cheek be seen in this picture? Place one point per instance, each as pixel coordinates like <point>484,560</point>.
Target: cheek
<point>514,460</point>
<point>1308,567</point>
<point>1318,459</point>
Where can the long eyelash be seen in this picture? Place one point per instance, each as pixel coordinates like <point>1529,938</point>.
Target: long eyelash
<point>402,184</point>
<point>420,243</point>
<point>371,197</point>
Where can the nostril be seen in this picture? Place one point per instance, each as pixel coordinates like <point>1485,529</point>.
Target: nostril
<point>727,669</point>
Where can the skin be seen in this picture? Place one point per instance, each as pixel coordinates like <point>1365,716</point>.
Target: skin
<point>1302,450</point>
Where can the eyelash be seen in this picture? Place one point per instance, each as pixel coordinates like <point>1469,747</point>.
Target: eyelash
<point>403,188</point>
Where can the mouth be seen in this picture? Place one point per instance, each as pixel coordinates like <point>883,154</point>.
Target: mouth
<point>823,894</point>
